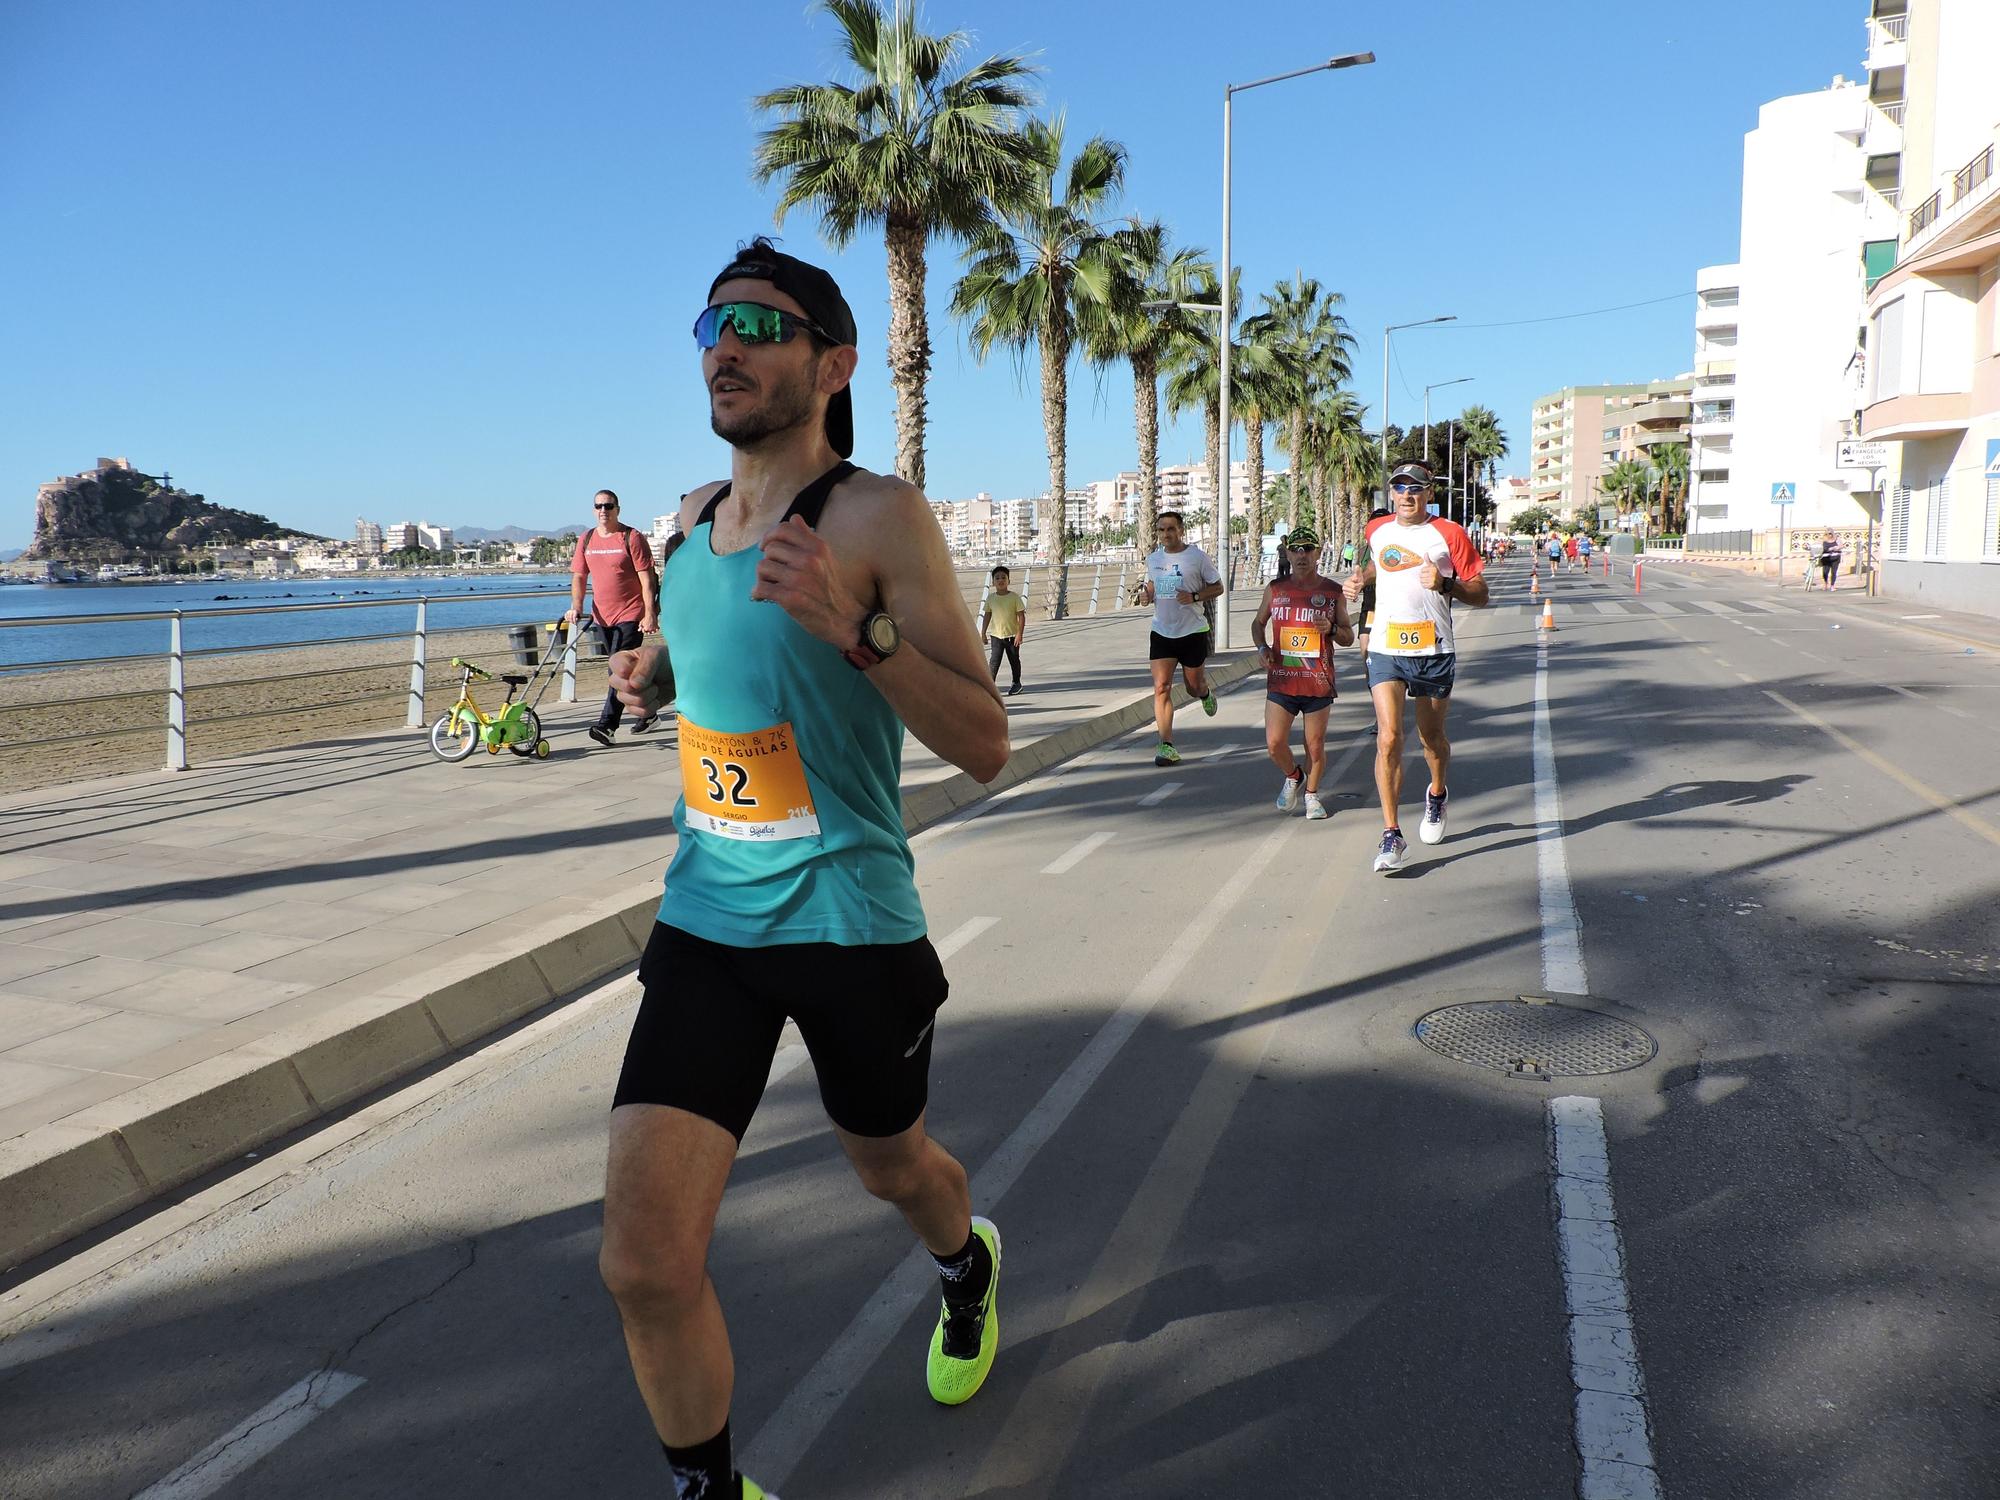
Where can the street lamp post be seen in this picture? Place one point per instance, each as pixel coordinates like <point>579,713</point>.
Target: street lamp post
<point>1229,93</point>
<point>1420,323</point>
<point>1434,386</point>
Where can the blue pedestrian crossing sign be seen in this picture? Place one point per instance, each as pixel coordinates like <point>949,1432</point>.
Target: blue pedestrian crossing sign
<point>1784,492</point>
<point>1993,458</point>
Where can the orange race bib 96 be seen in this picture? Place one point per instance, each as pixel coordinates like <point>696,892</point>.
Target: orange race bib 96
<point>746,786</point>
<point>1420,636</point>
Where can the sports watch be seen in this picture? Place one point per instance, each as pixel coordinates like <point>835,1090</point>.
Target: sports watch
<point>880,636</point>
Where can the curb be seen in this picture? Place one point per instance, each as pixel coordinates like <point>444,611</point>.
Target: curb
<point>61,1179</point>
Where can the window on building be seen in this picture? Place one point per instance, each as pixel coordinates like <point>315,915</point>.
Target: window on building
<point>1898,530</point>
<point>1990,529</point>
<point>1886,339</point>
<point>1713,476</point>
<point>1937,516</point>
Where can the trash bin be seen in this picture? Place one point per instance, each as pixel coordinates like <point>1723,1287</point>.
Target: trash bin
<point>522,639</point>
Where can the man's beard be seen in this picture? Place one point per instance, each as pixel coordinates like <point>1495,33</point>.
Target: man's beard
<point>786,405</point>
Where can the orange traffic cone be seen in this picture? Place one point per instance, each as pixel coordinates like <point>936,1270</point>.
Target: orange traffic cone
<point>1535,584</point>
<point>1548,619</point>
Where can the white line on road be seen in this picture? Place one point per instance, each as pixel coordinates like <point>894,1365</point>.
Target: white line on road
<point>1612,1432</point>
<point>1159,794</point>
<point>254,1437</point>
<point>1753,629</point>
<point>796,1425</point>
<point>1062,864</point>
<point>1612,1436</point>
<point>959,936</point>
<point>1920,617</point>
<point>1944,708</point>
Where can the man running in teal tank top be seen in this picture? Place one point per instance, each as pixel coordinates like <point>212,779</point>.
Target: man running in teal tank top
<point>812,617</point>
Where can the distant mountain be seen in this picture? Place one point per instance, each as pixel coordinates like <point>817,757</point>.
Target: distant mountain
<point>506,533</point>
<point>114,514</point>
<point>11,553</point>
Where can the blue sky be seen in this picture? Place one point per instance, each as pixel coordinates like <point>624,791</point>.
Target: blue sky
<point>437,259</point>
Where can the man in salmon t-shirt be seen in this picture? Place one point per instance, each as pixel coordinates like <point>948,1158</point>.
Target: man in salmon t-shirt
<point>1419,565</point>
<point>616,561</point>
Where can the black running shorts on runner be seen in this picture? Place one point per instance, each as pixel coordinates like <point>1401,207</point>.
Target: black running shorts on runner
<point>1421,676</point>
<point>1188,650</point>
<point>709,1024</point>
<point>1295,703</point>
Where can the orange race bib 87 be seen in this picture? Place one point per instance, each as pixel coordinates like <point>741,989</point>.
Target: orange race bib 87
<point>1299,640</point>
<point>746,786</point>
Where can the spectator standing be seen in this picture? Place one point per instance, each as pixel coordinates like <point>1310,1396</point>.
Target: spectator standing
<point>616,562</point>
<point>1829,558</point>
<point>1002,627</point>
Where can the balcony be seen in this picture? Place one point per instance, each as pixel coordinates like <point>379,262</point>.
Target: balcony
<point>1713,420</point>
<point>1918,416</point>
<point>1713,313</point>
<point>1653,413</point>
<point>1884,135</point>
<point>1888,43</point>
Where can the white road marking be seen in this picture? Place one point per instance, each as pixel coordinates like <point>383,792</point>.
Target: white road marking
<point>787,1058</point>
<point>1159,794</point>
<point>1611,1425</point>
<point>254,1437</point>
<point>1744,675</point>
<point>1753,629</point>
<point>783,1440</point>
<point>1062,864</point>
<point>1920,617</point>
<point>961,935</point>
<point>1945,708</point>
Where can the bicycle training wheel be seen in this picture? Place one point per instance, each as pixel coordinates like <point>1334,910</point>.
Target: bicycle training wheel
<point>531,731</point>
<point>454,737</point>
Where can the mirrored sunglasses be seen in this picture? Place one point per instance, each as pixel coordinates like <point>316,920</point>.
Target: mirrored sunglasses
<point>1406,486</point>
<point>753,323</point>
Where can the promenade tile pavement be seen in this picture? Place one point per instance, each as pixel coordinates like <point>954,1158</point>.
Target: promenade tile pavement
<point>151,922</point>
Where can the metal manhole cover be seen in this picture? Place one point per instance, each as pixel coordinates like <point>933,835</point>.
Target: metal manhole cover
<point>1535,1038</point>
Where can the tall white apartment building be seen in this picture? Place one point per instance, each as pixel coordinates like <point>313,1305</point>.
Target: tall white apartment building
<point>437,538</point>
<point>367,537</point>
<point>1933,311</point>
<point>1774,333</point>
<point>399,536</point>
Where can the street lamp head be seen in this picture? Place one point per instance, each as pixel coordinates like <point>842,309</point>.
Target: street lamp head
<point>1351,60</point>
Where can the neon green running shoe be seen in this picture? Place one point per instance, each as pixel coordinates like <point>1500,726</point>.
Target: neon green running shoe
<point>1208,705</point>
<point>1166,755</point>
<point>753,1491</point>
<point>963,1345</point>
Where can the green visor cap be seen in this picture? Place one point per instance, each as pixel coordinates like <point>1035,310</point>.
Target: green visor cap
<point>1302,536</point>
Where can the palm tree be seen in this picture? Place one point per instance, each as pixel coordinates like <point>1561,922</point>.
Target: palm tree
<point>1194,377</point>
<point>1299,317</point>
<point>1029,273</point>
<point>917,144</point>
<point>1627,482</point>
<point>1670,465</point>
<point>1147,270</point>
<point>1486,440</point>
<point>1263,375</point>
<point>1338,460</point>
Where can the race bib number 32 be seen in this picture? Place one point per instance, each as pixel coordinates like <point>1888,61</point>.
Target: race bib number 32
<point>746,786</point>
<point>1421,636</point>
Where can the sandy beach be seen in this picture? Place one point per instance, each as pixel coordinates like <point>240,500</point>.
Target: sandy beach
<point>230,711</point>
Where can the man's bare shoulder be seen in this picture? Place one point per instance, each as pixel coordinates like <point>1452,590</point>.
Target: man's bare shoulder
<point>891,512</point>
<point>693,501</point>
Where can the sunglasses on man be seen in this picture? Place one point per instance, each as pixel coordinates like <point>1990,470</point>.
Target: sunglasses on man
<point>604,507</point>
<point>1302,549</point>
<point>1408,486</point>
<point>753,323</point>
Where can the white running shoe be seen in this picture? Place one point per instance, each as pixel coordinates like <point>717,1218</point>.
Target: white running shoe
<point>1288,795</point>
<point>1315,809</point>
<point>1390,855</point>
<point>1431,830</point>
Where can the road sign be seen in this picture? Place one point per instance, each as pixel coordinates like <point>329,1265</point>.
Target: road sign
<point>1784,492</point>
<point>1993,458</point>
<point>1607,515</point>
<point>1855,454</point>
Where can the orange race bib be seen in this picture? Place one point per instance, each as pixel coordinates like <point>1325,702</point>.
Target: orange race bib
<point>1299,640</point>
<point>1420,636</point>
<point>746,786</point>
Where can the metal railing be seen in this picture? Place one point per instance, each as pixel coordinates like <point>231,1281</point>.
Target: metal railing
<point>1892,28</point>
<point>1972,174</point>
<point>178,653</point>
<point>1924,215</point>
<point>1894,110</point>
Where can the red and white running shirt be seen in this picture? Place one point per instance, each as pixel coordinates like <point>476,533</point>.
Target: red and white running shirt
<point>1411,620</point>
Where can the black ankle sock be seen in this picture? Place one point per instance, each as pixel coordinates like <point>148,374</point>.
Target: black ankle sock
<point>706,1471</point>
<point>967,1274</point>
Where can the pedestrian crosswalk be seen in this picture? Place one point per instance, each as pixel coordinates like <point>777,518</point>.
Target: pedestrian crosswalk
<point>1644,607</point>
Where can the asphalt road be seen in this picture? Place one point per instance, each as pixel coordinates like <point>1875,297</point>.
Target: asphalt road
<point>1259,1239</point>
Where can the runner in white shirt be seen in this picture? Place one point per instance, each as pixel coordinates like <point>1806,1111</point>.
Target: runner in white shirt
<point>1179,579</point>
<point>1419,565</point>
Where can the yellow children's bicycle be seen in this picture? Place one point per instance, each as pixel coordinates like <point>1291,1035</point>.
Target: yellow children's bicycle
<point>465,726</point>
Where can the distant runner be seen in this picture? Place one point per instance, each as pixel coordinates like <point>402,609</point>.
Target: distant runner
<point>1179,579</point>
<point>1421,565</point>
<point>813,618</point>
<point>1308,615</point>
<point>1584,547</point>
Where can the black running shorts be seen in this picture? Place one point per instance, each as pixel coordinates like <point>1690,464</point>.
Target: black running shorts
<point>1188,650</point>
<point>1296,703</point>
<point>709,1025</point>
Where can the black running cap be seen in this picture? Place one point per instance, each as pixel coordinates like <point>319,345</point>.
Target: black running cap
<point>819,294</point>
<point>1414,469</point>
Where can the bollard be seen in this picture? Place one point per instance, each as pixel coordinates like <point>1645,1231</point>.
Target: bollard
<point>1636,565</point>
<point>1096,579</point>
<point>415,719</point>
<point>571,638</point>
<point>177,747</point>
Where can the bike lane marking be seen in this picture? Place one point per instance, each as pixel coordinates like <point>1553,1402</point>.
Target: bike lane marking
<point>1613,1428</point>
<point>1078,852</point>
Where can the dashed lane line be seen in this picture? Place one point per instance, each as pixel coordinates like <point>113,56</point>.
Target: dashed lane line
<point>1943,708</point>
<point>1159,794</point>
<point>1613,1433</point>
<point>784,1439</point>
<point>1949,806</point>
<point>250,1440</point>
<point>1077,853</point>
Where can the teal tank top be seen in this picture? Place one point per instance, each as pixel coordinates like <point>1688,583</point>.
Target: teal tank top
<point>791,814</point>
